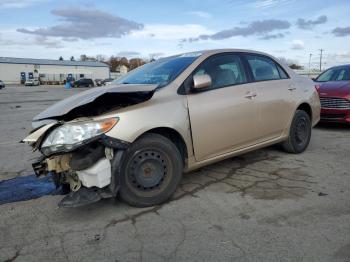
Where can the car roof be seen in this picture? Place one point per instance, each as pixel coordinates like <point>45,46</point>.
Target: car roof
<point>224,50</point>
<point>210,52</point>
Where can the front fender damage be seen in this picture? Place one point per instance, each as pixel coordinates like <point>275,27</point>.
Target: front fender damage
<point>91,170</point>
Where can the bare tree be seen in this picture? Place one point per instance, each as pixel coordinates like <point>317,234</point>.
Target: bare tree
<point>294,64</point>
<point>136,62</point>
<point>114,61</point>
<point>83,57</point>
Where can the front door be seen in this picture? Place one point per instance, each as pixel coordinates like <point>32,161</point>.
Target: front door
<point>224,116</point>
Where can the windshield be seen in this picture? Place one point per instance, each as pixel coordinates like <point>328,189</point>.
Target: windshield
<point>160,72</point>
<point>335,74</point>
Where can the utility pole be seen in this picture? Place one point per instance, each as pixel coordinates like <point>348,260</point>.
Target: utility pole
<point>321,50</point>
<point>310,63</point>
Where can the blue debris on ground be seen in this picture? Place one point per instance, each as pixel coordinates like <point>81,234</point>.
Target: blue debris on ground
<point>26,188</point>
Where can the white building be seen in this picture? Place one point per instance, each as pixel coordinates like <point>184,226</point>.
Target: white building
<point>15,70</point>
<point>120,71</point>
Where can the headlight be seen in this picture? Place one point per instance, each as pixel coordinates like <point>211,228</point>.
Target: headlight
<point>69,135</point>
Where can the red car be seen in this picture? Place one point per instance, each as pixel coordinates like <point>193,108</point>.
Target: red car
<point>333,87</point>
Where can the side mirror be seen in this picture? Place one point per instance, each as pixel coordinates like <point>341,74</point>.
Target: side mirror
<point>201,81</point>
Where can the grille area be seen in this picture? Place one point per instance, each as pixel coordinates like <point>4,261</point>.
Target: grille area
<point>332,102</point>
<point>332,117</point>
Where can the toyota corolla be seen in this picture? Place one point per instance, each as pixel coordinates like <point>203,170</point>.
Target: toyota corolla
<point>136,137</point>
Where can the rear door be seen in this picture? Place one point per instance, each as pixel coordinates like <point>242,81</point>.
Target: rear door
<point>224,116</point>
<point>276,95</point>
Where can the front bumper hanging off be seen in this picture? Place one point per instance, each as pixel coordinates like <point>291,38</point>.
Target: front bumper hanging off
<point>91,171</point>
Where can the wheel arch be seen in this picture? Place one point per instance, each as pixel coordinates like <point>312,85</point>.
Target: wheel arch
<point>307,108</point>
<point>174,136</point>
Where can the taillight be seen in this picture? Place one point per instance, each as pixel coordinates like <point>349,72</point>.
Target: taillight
<point>317,88</point>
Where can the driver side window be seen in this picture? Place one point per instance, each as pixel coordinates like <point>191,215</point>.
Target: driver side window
<point>224,70</point>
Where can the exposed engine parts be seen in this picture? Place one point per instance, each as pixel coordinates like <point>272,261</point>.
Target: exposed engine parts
<point>87,170</point>
<point>59,163</point>
<point>74,182</point>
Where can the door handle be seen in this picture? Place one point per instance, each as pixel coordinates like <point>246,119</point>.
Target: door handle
<point>250,95</point>
<point>292,87</point>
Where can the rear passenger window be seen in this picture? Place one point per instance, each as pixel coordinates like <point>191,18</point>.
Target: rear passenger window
<point>264,68</point>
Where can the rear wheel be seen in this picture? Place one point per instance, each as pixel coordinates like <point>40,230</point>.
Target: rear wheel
<point>151,170</point>
<point>299,133</point>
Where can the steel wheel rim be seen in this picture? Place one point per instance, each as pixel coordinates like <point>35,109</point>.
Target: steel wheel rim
<point>147,171</point>
<point>301,131</point>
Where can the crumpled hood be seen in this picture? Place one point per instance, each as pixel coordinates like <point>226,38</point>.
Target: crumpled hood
<point>113,95</point>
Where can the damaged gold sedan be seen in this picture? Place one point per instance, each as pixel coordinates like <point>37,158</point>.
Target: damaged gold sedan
<point>137,136</point>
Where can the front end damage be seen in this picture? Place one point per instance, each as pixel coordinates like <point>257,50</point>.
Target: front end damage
<point>89,172</point>
<point>75,149</point>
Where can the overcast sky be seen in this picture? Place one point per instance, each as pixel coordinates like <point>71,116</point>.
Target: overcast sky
<point>285,28</point>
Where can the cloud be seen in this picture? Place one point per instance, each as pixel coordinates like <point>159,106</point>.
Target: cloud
<point>262,28</point>
<point>200,14</point>
<point>128,54</point>
<point>280,51</point>
<point>262,4</point>
<point>13,40</point>
<point>70,39</point>
<point>272,36</point>
<point>6,42</point>
<point>337,58</point>
<point>341,31</point>
<point>18,3</point>
<point>156,55</point>
<point>340,55</point>
<point>170,32</point>
<point>86,23</point>
<point>44,41</point>
<point>297,45</point>
<point>309,24</point>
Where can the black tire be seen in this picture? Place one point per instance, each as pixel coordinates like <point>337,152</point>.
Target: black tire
<point>151,169</point>
<point>299,133</point>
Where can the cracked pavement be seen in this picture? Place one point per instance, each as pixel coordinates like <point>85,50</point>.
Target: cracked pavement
<point>262,206</point>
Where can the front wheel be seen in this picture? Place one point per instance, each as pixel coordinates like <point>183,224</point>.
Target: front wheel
<point>151,170</point>
<point>299,133</point>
